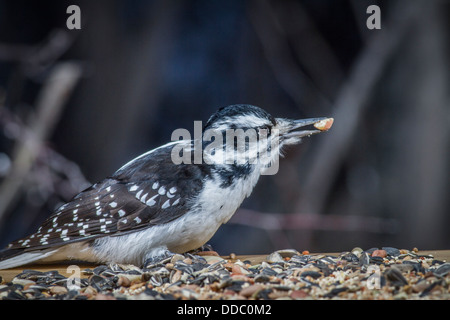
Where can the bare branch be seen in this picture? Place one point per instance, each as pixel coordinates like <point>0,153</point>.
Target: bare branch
<point>310,47</point>
<point>350,105</point>
<point>50,102</point>
<point>291,78</point>
<point>303,221</point>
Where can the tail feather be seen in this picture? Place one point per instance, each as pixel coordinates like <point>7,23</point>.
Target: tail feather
<point>11,258</point>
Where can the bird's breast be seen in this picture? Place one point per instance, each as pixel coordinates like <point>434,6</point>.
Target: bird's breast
<point>218,203</point>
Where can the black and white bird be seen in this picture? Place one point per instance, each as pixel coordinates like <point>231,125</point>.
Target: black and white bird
<point>151,207</point>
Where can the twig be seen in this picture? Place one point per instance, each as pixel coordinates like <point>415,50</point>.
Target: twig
<point>45,53</point>
<point>350,105</point>
<point>291,78</point>
<point>75,181</point>
<point>307,45</point>
<point>302,221</point>
<point>52,98</point>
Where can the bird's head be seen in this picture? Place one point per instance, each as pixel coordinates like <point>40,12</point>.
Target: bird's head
<point>252,131</point>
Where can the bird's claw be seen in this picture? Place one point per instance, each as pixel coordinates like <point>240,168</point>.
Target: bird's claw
<point>154,260</point>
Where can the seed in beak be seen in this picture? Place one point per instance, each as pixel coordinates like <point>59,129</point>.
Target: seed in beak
<point>324,125</point>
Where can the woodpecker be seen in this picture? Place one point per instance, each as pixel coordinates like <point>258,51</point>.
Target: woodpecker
<point>152,208</point>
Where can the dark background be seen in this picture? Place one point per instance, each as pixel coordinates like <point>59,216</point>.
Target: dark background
<point>137,70</point>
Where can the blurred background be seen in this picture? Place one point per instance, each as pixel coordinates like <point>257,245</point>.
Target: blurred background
<point>75,105</point>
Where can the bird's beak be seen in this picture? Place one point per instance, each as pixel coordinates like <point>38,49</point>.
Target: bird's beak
<point>290,127</point>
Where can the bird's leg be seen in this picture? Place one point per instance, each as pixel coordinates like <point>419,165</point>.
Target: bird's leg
<point>155,257</point>
<point>205,249</point>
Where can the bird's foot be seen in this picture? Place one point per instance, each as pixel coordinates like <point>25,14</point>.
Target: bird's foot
<point>163,256</point>
<point>160,257</point>
<point>205,247</point>
<point>204,250</point>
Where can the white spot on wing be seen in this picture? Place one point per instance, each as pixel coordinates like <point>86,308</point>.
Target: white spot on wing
<point>151,201</point>
<point>166,204</point>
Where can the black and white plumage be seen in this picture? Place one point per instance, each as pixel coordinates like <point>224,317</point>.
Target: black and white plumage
<point>152,207</point>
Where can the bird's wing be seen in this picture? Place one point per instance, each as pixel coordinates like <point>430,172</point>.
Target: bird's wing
<point>148,191</point>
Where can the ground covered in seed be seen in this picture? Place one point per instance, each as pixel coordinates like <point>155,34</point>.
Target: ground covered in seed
<point>386,273</point>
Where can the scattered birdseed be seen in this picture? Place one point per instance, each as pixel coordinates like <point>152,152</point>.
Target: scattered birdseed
<point>379,274</point>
